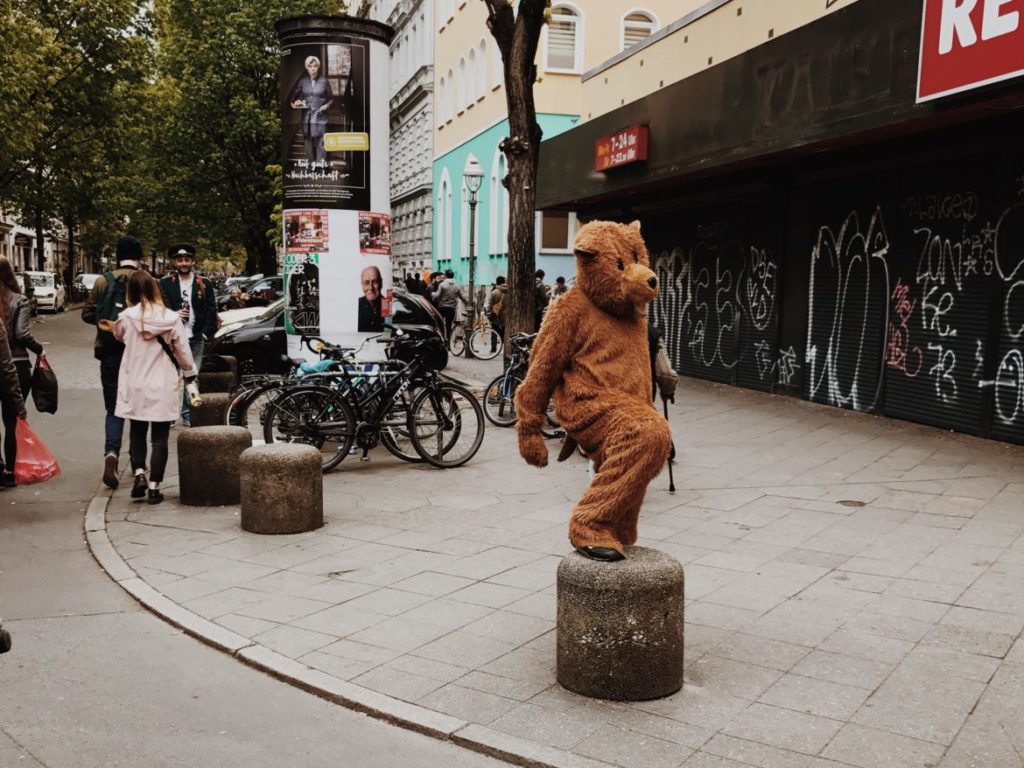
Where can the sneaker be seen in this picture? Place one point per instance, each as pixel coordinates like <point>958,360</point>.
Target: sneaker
<point>154,496</point>
<point>186,421</point>
<point>139,488</point>
<point>7,480</point>
<point>110,470</point>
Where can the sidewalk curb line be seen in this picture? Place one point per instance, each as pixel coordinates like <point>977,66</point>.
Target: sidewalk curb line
<point>474,737</point>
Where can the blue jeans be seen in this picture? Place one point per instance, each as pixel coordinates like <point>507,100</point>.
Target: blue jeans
<point>114,426</point>
<point>196,344</point>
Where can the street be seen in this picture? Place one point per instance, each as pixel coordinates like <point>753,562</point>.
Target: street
<point>95,680</point>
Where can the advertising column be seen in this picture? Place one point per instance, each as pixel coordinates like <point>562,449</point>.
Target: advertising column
<point>337,223</point>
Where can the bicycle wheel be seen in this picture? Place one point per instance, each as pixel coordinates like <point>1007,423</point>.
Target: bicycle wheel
<point>457,341</point>
<point>394,431</point>
<point>499,400</point>
<point>446,425</point>
<point>485,342</point>
<point>315,416</point>
<point>249,408</point>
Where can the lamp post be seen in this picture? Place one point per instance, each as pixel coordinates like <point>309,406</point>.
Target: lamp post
<point>473,175</point>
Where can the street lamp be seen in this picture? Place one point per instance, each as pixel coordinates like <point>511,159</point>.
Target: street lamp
<point>473,176</point>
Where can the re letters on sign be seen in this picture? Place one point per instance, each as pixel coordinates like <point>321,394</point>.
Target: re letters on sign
<point>969,43</point>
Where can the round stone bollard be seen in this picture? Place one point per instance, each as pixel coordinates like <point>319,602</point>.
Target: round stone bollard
<point>212,412</point>
<point>282,489</point>
<point>208,464</point>
<point>620,626</point>
<point>221,381</point>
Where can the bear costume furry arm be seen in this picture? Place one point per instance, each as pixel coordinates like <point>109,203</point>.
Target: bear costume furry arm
<point>551,354</point>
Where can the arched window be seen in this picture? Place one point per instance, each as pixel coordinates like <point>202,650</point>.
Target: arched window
<point>481,77</point>
<point>498,206</point>
<point>461,103</point>
<point>498,71</point>
<point>471,77</point>
<point>443,236</point>
<point>442,91</point>
<point>636,26</point>
<point>564,50</point>
<point>449,103</point>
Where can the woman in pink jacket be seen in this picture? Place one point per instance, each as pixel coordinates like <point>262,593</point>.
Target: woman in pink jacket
<point>147,384</point>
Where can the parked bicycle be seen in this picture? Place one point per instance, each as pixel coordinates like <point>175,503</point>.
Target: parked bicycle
<point>499,395</point>
<point>484,340</point>
<point>401,402</point>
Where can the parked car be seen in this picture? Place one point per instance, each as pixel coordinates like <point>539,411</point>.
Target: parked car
<point>32,303</point>
<point>82,285</point>
<point>49,290</point>
<point>259,344</point>
<point>262,291</point>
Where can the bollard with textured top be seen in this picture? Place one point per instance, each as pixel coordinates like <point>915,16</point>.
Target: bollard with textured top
<point>282,489</point>
<point>620,625</point>
<point>211,412</point>
<point>219,381</point>
<point>208,464</point>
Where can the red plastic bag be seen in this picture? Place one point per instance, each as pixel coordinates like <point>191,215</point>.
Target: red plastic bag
<point>35,463</point>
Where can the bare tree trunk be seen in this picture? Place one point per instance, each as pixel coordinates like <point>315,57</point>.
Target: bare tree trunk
<point>517,36</point>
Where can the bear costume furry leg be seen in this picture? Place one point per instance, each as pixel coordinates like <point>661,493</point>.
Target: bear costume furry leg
<point>592,355</point>
<point>633,444</point>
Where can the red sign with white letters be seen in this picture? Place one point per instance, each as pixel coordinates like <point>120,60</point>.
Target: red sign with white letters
<point>969,43</point>
<point>627,146</point>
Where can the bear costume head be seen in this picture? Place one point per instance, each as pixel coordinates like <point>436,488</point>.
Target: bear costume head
<point>612,267</point>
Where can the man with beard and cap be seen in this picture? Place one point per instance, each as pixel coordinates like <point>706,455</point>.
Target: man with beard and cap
<point>193,298</point>
<point>106,300</point>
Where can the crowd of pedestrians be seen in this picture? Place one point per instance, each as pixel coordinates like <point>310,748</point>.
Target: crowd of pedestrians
<point>146,333</point>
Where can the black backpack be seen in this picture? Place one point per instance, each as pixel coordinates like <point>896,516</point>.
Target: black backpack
<point>111,305</point>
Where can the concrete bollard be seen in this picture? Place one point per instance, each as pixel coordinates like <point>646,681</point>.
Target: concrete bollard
<point>211,412</point>
<point>620,626</point>
<point>221,381</point>
<point>282,489</point>
<point>208,464</point>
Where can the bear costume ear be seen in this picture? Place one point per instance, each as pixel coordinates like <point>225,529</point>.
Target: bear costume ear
<point>583,253</point>
<point>588,243</point>
<point>635,224</point>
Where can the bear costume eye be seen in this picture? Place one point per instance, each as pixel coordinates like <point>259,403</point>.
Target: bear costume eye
<point>636,259</point>
<point>622,265</point>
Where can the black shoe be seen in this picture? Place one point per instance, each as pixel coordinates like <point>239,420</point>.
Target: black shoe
<point>154,497</point>
<point>139,488</point>
<point>5,641</point>
<point>603,554</point>
<point>110,470</point>
<point>7,480</point>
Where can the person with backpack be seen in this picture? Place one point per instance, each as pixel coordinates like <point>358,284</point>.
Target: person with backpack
<point>155,348</point>
<point>14,317</point>
<point>106,301</point>
<point>494,309</point>
<point>192,296</point>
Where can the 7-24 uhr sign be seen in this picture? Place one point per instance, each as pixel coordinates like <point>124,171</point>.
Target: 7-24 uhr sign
<point>969,43</point>
<point>626,146</point>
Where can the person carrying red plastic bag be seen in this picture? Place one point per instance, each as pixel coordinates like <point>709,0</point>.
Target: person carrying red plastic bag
<point>11,398</point>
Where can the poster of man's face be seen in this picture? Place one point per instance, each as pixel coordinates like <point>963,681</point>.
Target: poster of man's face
<point>324,93</point>
<point>372,307</point>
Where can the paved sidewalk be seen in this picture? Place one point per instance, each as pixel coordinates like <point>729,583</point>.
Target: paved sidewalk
<point>855,593</point>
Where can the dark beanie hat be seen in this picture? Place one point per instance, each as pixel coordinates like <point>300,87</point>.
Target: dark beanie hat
<point>128,248</point>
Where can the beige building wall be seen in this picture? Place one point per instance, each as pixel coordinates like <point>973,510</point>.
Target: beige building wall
<point>710,31</point>
<point>466,53</point>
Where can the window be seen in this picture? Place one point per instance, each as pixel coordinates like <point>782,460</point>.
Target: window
<point>557,230</point>
<point>481,77</point>
<point>442,88</point>
<point>449,103</point>
<point>443,238</point>
<point>471,78</point>
<point>498,72</point>
<point>563,47</point>
<point>498,205</point>
<point>637,26</point>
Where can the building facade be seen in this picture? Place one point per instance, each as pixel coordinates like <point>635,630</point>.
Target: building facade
<point>18,246</point>
<point>817,228</point>
<point>411,109</point>
<point>470,114</point>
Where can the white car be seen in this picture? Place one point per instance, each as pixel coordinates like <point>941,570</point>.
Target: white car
<point>49,291</point>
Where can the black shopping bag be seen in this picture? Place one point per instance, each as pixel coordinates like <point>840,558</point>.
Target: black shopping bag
<point>44,386</point>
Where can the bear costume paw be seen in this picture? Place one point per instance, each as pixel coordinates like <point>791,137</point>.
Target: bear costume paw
<point>533,449</point>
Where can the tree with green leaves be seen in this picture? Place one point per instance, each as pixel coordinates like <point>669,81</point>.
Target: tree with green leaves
<point>216,130</point>
<point>517,33</point>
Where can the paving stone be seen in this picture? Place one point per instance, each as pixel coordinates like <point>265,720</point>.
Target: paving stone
<point>783,728</point>
<point>696,706</point>
<point>464,648</point>
<point>844,670</point>
<point>927,660</point>
<point>663,728</point>
<point>468,704</point>
<point>873,748</point>
<point>982,742</point>
<point>756,754</point>
<point>389,602</point>
<point>815,697</point>
<point>563,730</point>
<point>448,613</point>
<point>292,641</point>
<point>761,651</point>
<point>226,601</point>
<point>707,760</point>
<point>968,640</point>
<point>632,750</point>
<point>399,634</point>
<point>734,678</point>
<point>401,685</point>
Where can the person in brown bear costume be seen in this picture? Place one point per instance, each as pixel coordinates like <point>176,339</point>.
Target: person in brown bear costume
<point>592,355</point>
